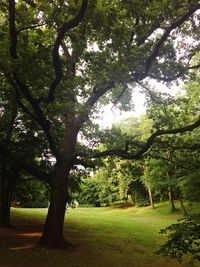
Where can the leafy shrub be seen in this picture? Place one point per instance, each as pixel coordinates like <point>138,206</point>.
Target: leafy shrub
<point>141,199</point>
<point>183,238</point>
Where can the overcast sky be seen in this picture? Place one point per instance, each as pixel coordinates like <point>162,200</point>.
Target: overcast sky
<point>110,116</point>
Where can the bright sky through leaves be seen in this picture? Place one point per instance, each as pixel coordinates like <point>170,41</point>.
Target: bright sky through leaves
<point>112,115</point>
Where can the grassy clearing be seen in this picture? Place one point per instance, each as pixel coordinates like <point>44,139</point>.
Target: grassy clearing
<point>103,237</point>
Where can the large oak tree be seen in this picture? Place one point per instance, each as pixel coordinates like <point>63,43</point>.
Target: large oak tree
<point>62,58</point>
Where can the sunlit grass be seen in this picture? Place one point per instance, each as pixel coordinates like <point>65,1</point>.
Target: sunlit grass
<point>107,236</point>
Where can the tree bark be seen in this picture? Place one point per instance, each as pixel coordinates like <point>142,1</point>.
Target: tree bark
<point>148,183</point>
<point>182,206</point>
<point>171,199</point>
<point>52,236</point>
<point>5,203</point>
<point>6,192</point>
<point>132,195</point>
<point>151,197</point>
<point>170,194</point>
<point>8,172</point>
<point>133,199</point>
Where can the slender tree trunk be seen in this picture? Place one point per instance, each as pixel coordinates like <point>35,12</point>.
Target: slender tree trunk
<point>170,194</point>
<point>132,198</point>
<point>171,199</point>
<point>52,236</point>
<point>151,197</point>
<point>150,193</point>
<point>126,199</point>
<point>182,206</point>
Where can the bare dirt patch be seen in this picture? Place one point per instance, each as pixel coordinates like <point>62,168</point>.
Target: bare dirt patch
<point>25,234</point>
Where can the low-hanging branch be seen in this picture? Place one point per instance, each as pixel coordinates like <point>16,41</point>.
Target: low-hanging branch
<point>147,145</point>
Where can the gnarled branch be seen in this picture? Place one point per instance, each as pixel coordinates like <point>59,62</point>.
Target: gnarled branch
<point>157,47</point>
<point>19,85</point>
<point>56,58</point>
<point>95,96</point>
<point>147,145</point>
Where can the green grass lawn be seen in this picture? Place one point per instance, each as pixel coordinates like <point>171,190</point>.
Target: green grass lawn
<point>102,236</point>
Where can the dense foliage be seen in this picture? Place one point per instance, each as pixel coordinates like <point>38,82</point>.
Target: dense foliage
<point>183,239</point>
<point>30,193</point>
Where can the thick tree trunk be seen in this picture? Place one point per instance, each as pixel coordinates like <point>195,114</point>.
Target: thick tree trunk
<point>52,236</point>
<point>8,173</point>
<point>6,192</point>
<point>5,203</point>
<point>151,197</point>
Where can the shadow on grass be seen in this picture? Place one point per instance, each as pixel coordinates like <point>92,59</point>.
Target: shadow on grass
<point>24,235</point>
